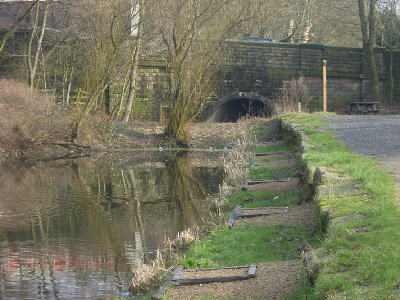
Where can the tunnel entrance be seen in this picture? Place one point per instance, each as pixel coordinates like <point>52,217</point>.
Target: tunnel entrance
<point>234,109</point>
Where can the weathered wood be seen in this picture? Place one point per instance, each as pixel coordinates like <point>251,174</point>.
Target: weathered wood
<point>245,185</point>
<point>66,145</point>
<point>192,281</point>
<point>266,181</point>
<point>177,273</point>
<point>235,213</point>
<point>258,215</point>
<point>214,269</point>
<point>252,271</point>
<point>213,279</point>
<point>160,293</point>
<point>273,153</point>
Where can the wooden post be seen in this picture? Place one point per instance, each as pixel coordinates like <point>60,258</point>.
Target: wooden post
<point>324,97</point>
<point>299,107</point>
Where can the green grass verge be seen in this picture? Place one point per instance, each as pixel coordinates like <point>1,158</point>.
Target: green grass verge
<point>247,244</point>
<point>248,199</point>
<point>259,173</point>
<point>364,255</point>
<point>273,159</point>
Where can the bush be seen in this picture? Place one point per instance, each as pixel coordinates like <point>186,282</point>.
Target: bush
<point>27,118</point>
<point>292,92</point>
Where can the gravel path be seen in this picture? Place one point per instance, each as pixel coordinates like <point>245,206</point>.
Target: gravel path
<point>376,136</point>
<point>373,136</point>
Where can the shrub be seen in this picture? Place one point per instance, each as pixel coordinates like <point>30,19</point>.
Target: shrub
<point>28,118</point>
<point>292,92</point>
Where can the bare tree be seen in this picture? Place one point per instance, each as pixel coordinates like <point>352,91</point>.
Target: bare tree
<point>193,32</point>
<point>102,27</point>
<point>32,66</point>
<point>368,31</point>
<point>136,49</point>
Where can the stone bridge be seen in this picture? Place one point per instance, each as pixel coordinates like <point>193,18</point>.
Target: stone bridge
<point>253,72</point>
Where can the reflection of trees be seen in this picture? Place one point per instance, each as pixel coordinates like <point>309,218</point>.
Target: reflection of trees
<point>136,220</point>
<point>83,210</point>
<point>186,191</point>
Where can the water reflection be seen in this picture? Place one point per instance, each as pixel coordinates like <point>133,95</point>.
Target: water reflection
<point>74,229</point>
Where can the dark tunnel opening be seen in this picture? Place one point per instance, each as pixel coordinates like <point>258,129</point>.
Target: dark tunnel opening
<point>235,109</point>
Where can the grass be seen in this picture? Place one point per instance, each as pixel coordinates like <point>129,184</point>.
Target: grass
<point>248,199</point>
<point>273,159</point>
<point>259,173</point>
<point>247,244</point>
<point>364,264</point>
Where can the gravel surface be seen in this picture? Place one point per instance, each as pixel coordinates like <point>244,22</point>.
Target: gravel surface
<point>297,215</point>
<point>374,136</point>
<point>278,164</point>
<point>291,185</point>
<point>274,280</point>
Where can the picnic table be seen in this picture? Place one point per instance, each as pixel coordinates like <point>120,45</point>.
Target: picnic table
<point>363,108</point>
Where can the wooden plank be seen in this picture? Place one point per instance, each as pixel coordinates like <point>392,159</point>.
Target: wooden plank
<point>266,181</point>
<point>273,153</point>
<point>252,271</point>
<point>160,293</point>
<point>236,211</point>
<point>214,269</point>
<point>177,273</point>
<point>258,215</point>
<point>213,279</point>
<point>267,207</point>
<point>245,185</point>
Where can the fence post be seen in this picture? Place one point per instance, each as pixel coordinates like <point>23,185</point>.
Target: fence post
<point>324,95</point>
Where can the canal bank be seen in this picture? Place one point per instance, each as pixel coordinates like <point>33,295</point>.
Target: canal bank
<point>359,256</point>
<point>285,224</point>
<point>355,254</point>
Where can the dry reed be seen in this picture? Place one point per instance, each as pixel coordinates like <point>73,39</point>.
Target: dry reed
<point>28,118</point>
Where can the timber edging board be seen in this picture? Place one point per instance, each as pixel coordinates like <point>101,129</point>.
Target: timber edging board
<point>272,153</point>
<point>177,281</point>
<point>178,271</point>
<point>254,182</point>
<point>244,216</point>
<point>237,211</point>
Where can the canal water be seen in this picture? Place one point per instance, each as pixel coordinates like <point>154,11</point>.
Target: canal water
<point>74,229</point>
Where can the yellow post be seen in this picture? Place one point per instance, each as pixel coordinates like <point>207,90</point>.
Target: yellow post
<point>324,97</point>
<point>299,107</point>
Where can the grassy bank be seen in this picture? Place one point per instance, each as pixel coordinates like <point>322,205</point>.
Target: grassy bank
<point>252,243</point>
<point>362,256</point>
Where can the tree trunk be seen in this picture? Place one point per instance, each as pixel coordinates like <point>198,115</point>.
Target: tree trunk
<point>374,77</point>
<point>30,43</point>
<point>176,126</point>
<point>134,71</point>
<point>132,82</point>
<point>368,30</point>
<point>33,68</point>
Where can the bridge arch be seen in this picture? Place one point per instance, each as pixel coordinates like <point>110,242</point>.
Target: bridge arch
<point>231,108</point>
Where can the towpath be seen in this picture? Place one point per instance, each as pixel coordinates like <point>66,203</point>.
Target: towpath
<point>373,136</point>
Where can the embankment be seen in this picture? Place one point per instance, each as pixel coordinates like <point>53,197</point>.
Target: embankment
<point>359,257</point>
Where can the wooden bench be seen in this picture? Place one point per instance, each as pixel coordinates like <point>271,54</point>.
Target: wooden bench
<point>363,108</point>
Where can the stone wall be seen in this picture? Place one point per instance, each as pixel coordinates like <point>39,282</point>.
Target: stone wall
<point>256,68</point>
<point>264,67</point>
<point>151,91</point>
